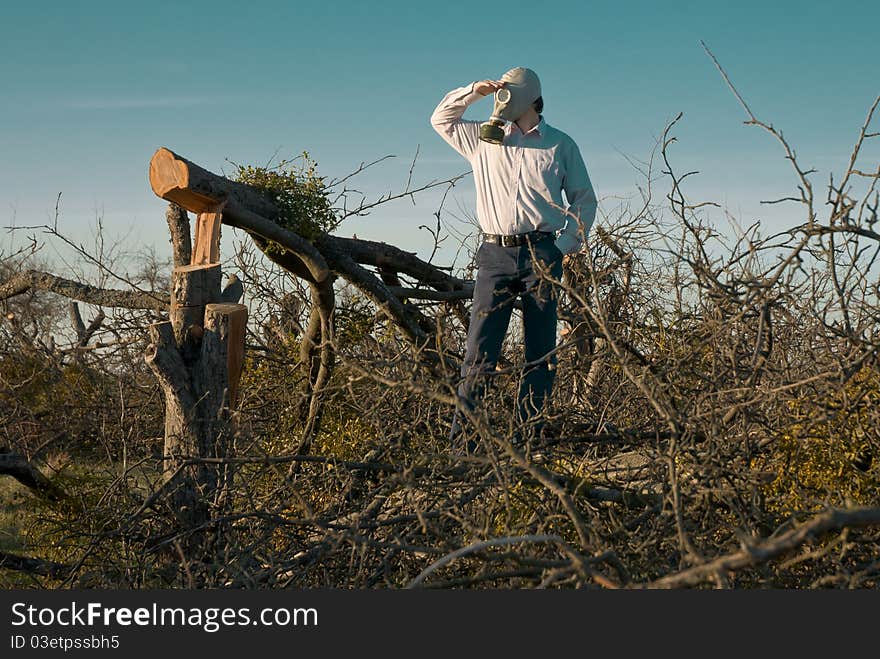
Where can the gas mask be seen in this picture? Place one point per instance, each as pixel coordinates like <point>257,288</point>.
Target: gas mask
<point>511,101</point>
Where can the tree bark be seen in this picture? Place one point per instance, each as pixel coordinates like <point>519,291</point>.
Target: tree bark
<point>192,287</point>
<point>182,436</point>
<point>215,379</point>
<point>181,241</point>
<point>383,255</point>
<point>319,357</point>
<point>21,469</point>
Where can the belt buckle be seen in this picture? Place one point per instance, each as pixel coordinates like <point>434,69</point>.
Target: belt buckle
<point>508,240</point>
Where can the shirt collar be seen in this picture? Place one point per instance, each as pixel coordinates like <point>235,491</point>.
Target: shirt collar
<point>538,128</point>
<point>541,126</point>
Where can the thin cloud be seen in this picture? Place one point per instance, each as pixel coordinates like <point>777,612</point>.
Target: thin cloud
<point>138,103</point>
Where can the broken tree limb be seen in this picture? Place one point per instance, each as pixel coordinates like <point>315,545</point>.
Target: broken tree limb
<point>302,249</point>
<point>178,226</point>
<point>316,347</point>
<point>378,292</point>
<point>436,296</point>
<point>93,327</point>
<point>320,356</point>
<point>761,552</point>
<point>76,320</point>
<point>21,469</point>
<point>320,321</point>
<point>176,179</point>
<point>28,280</point>
<point>311,267</point>
<point>83,333</point>
<point>317,261</point>
<point>383,255</point>
<point>37,566</point>
<point>390,278</point>
<point>390,258</point>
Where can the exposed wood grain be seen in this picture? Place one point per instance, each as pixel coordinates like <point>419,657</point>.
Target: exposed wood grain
<point>206,247</point>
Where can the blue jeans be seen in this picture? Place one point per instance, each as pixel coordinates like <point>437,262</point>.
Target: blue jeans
<point>503,273</point>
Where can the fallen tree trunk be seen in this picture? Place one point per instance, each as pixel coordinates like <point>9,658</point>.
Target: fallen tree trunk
<point>181,181</point>
<point>35,280</point>
<point>21,469</point>
<point>176,179</point>
<point>34,566</point>
<point>318,261</point>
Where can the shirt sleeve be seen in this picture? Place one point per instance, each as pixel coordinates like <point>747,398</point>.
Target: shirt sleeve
<point>582,203</point>
<point>462,135</point>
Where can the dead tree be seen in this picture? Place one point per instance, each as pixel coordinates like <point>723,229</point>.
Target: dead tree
<point>197,356</point>
<point>318,261</point>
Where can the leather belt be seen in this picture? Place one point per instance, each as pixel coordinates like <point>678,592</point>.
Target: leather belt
<point>515,239</point>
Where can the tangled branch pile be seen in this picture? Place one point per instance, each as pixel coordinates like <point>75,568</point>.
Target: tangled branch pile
<point>715,423</point>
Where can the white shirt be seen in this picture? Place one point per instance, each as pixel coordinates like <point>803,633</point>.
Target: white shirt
<point>520,182</point>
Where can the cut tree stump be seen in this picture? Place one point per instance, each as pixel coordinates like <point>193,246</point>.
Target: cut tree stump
<point>198,356</point>
<point>192,287</point>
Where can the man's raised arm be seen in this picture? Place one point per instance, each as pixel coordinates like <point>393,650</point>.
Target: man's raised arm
<point>462,135</point>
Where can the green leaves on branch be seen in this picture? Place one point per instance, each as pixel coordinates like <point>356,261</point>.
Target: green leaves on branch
<point>300,195</point>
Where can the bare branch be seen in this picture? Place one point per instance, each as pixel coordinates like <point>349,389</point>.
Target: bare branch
<point>760,552</point>
<point>34,280</point>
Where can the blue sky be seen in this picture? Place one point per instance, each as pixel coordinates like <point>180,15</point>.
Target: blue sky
<point>91,89</point>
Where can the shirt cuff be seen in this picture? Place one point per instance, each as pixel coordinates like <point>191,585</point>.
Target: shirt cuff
<point>568,243</point>
<point>468,94</point>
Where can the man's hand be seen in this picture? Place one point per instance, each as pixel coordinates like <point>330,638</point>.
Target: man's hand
<point>484,87</point>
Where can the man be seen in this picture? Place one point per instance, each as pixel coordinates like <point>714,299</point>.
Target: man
<point>520,173</point>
